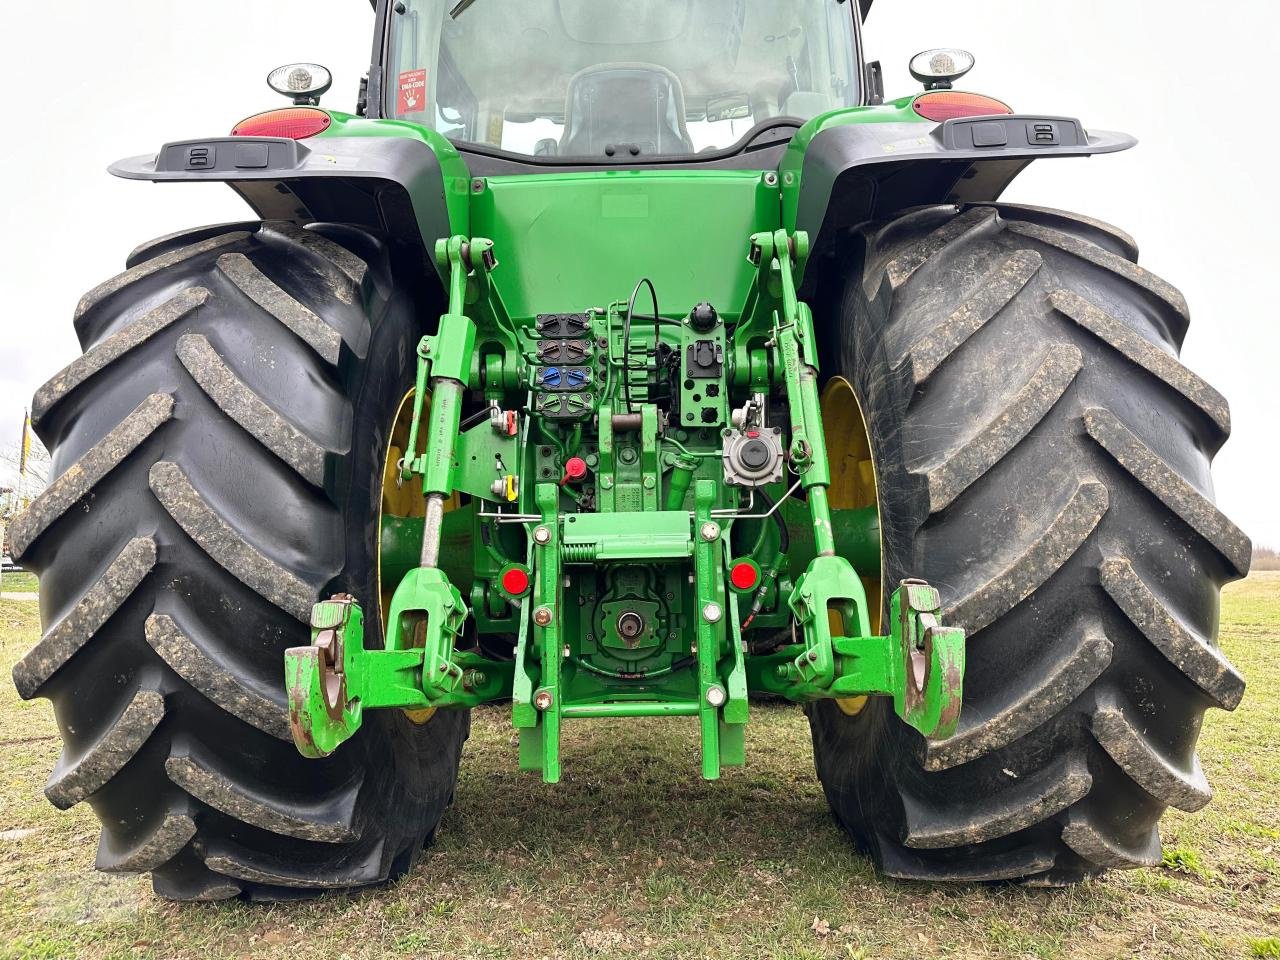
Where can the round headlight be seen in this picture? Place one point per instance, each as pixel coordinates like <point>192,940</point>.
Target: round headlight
<point>305,83</point>
<point>938,69</point>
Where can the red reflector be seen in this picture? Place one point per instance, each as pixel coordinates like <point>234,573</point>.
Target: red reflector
<point>295,123</point>
<point>515,580</point>
<point>744,575</point>
<point>947,105</point>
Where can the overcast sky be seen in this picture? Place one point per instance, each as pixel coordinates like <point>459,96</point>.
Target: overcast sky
<point>89,81</point>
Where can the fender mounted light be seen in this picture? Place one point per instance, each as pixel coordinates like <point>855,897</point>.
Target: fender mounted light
<point>294,123</point>
<point>948,105</point>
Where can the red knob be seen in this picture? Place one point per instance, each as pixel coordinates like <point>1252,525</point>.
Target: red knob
<point>575,471</point>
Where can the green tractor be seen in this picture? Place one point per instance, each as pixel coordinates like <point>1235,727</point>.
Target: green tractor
<point>627,359</point>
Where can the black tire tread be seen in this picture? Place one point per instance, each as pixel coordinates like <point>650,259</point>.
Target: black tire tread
<point>224,371</point>
<point>1043,459</point>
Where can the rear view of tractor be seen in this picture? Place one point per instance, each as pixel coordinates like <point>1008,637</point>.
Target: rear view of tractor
<point>617,360</point>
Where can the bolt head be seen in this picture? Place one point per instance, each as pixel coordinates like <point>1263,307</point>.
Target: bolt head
<point>716,696</point>
<point>542,616</point>
<point>710,531</point>
<point>543,700</point>
<point>542,535</point>
<point>712,613</point>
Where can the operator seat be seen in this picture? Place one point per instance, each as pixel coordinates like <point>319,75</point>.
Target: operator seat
<point>625,103</point>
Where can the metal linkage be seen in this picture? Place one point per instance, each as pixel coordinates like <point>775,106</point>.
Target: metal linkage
<point>920,664</point>
<point>334,680</point>
<point>622,604</point>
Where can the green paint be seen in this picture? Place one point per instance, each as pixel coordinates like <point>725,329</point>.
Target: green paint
<point>791,169</point>
<point>640,223</point>
<point>630,613</point>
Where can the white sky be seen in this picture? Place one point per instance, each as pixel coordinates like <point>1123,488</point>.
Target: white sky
<point>90,81</point>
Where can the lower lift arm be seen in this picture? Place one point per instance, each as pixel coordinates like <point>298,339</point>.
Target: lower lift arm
<point>920,663</point>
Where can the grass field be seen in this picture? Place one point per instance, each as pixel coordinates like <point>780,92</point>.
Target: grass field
<point>633,856</point>
<point>18,583</point>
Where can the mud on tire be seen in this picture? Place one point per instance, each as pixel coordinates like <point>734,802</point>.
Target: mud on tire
<point>209,487</point>
<point>1043,459</point>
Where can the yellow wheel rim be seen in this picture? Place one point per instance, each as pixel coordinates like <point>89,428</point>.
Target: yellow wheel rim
<point>853,484</point>
<point>399,500</point>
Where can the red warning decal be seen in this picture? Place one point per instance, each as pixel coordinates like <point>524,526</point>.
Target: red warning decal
<point>413,91</point>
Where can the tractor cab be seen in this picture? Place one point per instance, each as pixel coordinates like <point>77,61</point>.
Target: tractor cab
<point>614,80</point>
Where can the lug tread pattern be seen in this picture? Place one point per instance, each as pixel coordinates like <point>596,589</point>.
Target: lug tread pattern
<point>75,779</point>
<point>64,639</point>
<point>1144,354</point>
<point>328,822</point>
<point>1055,219</point>
<point>996,293</point>
<point>188,658</point>
<point>99,357</point>
<point>1099,846</point>
<point>242,404</point>
<point>1044,515</point>
<point>1194,655</point>
<point>161,573</point>
<point>226,546</point>
<point>1195,509</point>
<point>901,863</point>
<point>1023,710</point>
<point>1026,408</point>
<point>1042,558</point>
<point>1114,264</point>
<point>150,268</point>
<point>289,310</point>
<point>903,267</point>
<point>360,870</point>
<point>158,847</point>
<point>353,267</point>
<point>1025,803</point>
<point>76,482</point>
<point>1129,743</point>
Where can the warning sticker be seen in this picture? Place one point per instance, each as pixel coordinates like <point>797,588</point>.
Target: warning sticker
<point>413,91</point>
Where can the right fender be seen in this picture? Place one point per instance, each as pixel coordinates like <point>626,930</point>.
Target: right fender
<point>850,173</point>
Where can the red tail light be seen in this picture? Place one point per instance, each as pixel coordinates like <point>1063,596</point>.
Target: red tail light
<point>295,123</point>
<point>947,105</point>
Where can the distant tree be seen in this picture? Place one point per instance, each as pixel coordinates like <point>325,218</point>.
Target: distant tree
<point>1265,558</point>
<point>22,488</point>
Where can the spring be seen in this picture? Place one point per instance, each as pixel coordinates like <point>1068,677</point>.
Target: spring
<point>578,553</point>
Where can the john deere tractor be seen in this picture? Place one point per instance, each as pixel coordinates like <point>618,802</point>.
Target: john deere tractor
<point>621,359</point>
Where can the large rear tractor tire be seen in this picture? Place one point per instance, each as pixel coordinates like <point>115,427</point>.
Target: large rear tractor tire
<point>218,458</point>
<point>1042,458</point>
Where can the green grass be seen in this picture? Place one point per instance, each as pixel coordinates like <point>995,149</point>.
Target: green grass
<point>18,583</point>
<point>633,856</point>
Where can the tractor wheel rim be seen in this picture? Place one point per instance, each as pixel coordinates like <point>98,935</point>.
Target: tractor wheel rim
<point>854,484</point>
<point>399,500</point>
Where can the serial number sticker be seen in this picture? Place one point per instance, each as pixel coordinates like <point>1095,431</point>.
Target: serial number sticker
<point>413,92</point>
